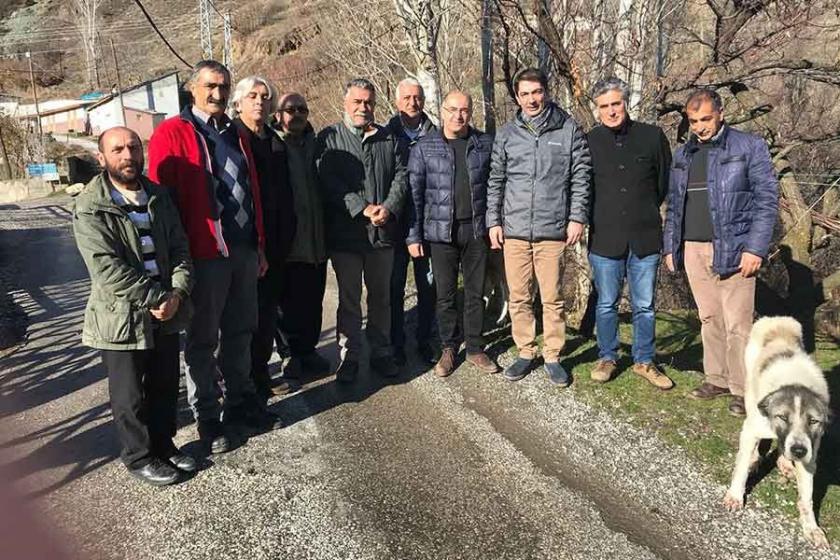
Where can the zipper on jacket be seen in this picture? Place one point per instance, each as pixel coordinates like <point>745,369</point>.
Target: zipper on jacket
<point>534,182</point>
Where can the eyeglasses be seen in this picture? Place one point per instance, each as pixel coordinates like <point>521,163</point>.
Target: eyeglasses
<point>298,110</point>
<point>454,111</point>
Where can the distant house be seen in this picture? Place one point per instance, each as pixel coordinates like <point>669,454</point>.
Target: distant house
<point>146,105</point>
<point>57,115</point>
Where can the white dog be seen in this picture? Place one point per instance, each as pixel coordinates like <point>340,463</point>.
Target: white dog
<point>787,400</point>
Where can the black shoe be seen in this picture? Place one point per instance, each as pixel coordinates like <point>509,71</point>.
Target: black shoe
<point>212,434</point>
<point>347,372</point>
<point>557,374</point>
<point>427,353</point>
<point>314,364</point>
<point>183,461</point>
<point>157,473</point>
<point>384,366</point>
<point>262,420</point>
<point>400,358</point>
<point>518,369</point>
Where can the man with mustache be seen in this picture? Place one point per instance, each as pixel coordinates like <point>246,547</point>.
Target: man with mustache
<point>723,202</point>
<point>207,162</point>
<point>130,237</point>
<point>537,205</point>
<point>305,271</point>
<point>364,183</point>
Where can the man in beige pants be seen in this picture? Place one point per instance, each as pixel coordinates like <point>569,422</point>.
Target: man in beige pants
<point>537,203</point>
<point>722,206</point>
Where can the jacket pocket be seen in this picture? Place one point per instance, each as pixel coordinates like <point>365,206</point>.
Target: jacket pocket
<point>111,321</point>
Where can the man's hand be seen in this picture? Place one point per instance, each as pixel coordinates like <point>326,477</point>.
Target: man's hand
<point>669,262</point>
<point>168,308</point>
<point>749,264</point>
<point>369,210</point>
<point>497,237</point>
<point>380,216</point>
<point>574,231</point>
<point>416,250</point>
<point>263,264</point>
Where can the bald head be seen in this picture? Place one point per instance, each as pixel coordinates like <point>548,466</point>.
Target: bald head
<point>456,114</point>
<point>292,113</point>
<point>121,156</point>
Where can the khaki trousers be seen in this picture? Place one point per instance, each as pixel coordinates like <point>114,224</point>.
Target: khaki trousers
<point>726,309</point>
<point>529,264</point>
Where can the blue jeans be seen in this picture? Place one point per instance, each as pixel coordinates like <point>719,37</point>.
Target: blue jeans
<point>609,273</point>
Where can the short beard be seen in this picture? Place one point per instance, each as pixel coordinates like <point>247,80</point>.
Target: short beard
<point>121,177</point>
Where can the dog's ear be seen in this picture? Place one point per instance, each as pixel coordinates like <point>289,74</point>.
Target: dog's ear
<point>764,404</point>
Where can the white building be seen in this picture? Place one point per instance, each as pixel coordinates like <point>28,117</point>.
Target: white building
<point>158,96</point>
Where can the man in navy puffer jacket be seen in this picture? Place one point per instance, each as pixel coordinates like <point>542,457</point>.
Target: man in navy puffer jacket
<point>448,174</point>
<point>723,203</point>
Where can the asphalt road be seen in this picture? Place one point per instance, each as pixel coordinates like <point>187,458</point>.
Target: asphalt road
<point>470,467</point>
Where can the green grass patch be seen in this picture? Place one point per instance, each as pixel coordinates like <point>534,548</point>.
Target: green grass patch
<point>704,429</point>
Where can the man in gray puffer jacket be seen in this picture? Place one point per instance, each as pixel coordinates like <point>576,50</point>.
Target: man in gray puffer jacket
<point>538,200</point>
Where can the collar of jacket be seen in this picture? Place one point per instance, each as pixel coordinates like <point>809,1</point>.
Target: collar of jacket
<point>473,134</point>
<point>266,132</point>
<point>719,141</point>
<point>555,120</point>
<point>379,131</point>
<point>397,127</point>
<point>308,132</point>
<point>100,193</point>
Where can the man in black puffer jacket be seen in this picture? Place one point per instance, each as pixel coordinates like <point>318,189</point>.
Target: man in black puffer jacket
<point>448,174</point>
<point>537,204</point>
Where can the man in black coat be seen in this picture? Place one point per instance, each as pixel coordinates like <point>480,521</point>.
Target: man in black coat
<point>630,162</point>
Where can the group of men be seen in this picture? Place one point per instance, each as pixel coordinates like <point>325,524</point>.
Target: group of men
<point>239,216</point>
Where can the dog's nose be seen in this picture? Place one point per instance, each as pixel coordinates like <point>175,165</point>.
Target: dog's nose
<point>798,450</point>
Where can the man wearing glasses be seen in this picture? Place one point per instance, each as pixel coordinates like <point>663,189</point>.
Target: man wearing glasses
<point>305,274</point>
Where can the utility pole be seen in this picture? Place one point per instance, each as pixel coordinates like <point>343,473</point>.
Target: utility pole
<point>205,25</point>
<point>5,155</point>
<point>228,52</point>
<point>35,95</point>
<point>119,83</point>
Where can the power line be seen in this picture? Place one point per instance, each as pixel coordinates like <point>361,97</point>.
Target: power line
<point>152,23</point>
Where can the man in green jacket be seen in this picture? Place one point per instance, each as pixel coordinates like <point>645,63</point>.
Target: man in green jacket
<point>130,237</point>
<point>364,184</point>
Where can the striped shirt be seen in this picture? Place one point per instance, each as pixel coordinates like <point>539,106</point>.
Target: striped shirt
<point>136,205</point>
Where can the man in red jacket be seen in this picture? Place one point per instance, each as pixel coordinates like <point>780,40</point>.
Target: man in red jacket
<point>209,166</point>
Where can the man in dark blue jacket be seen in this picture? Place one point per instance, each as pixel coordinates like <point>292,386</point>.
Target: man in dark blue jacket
<point>723,203</point>
<point>448,174</point>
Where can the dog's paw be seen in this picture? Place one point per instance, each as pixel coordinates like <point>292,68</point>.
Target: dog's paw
<point>786,467</point>
<point>732,503</point>
<point>816,537</point>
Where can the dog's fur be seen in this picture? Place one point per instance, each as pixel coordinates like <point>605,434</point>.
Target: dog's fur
<point>787,400</point>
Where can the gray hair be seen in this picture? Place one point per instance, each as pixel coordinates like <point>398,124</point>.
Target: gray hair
<point>362,83</point>
<point>611,84</point>
<point>244,87</point>
<point>213,65</point>
<point>410,82</point>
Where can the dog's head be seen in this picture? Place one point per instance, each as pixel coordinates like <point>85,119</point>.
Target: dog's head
<point>799,417</point>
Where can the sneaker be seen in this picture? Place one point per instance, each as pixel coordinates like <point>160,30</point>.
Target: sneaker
<point>212,434</point>
<point>347,371</point>
<point>157,473</point>
<point>603,371</point>
<point>384,366</point>
<point>400,359</point>
<point>557,374</point>
<point>653,375</point>
<point>313,363</point>
<point>736,407</point>
<point>427,353</point>
<point>446,365</point>
<point>708,391</point>
<point>483,362</point>
<point>518,369</point>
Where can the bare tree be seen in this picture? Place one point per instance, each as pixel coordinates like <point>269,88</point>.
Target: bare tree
<point>423,22</point>
<point>87,22</point>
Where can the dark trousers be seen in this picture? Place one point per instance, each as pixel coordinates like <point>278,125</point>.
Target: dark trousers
<point>424,282</point>
<point>262,343</point>
<point>302,302</point>
<point>143,386</point>
<point>470,255</point>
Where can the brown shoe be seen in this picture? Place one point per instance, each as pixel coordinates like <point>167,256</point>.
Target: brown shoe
<point>736,406</point>
<point>603,371</point>
<point>708,391</point>
<point>653,375</point>
<point>281,387</point>
<point>483,362</point>
<point>446,364</point>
